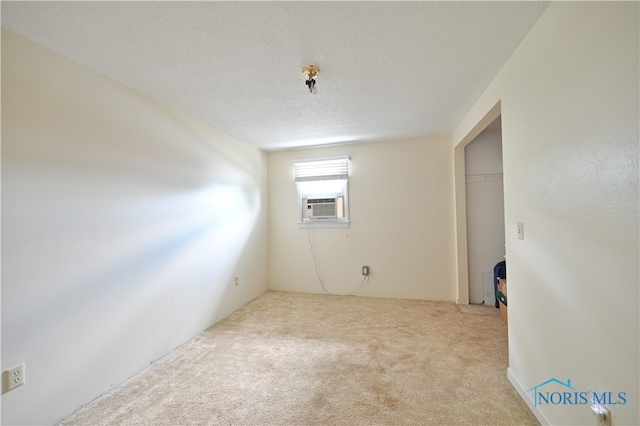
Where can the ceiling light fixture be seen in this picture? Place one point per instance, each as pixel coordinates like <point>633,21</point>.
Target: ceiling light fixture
<point>311,72</point>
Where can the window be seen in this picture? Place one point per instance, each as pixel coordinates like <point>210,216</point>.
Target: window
<point>323,192</point>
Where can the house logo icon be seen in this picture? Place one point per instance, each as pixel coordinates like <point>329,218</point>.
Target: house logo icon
<point>538,394</point>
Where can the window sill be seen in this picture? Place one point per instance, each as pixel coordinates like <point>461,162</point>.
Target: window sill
<point>323,224</point>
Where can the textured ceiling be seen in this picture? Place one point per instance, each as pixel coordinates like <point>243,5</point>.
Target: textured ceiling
<point>388,70</point>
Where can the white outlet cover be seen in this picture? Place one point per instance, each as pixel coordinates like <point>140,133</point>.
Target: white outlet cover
<point>16,377</point>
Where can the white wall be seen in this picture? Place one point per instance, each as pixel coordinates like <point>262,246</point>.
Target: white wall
<point>569,100</point>
<point>123,224</point>
<point>485,212</point>
<point>401,206</point>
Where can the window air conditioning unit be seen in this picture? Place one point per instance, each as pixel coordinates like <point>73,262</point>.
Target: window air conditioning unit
<point>321,208</point>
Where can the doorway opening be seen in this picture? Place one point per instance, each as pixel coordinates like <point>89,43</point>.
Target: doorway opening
<point>462,265</point>
<point>485,226</point>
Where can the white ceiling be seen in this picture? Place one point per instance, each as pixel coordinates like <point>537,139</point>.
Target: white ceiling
<point>388,70</point>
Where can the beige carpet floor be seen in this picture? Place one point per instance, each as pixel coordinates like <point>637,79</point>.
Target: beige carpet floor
<point>302,359</point>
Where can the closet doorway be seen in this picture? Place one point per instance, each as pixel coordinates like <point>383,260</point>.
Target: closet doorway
<point>485,211</point>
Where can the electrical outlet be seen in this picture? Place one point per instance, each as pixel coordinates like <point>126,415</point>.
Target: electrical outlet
<point>15,377</point>
<point>236,282</point>
<point>365,270</point>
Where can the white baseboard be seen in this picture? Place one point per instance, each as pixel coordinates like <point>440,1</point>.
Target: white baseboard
<point>527,398</point>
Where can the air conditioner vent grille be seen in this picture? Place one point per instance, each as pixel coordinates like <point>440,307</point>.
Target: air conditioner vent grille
<point>320,200</point>
<point>328,210</point>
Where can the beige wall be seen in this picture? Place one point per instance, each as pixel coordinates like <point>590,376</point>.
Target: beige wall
<point>569,100</point>
<point>401,204</point>
<point>123,224</point>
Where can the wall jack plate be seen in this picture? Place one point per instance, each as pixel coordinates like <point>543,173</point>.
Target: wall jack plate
<point>602,413</point>
<point>13,377</point>
<point>365,271</point>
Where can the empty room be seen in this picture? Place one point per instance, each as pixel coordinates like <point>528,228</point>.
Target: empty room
<point>320,213</point>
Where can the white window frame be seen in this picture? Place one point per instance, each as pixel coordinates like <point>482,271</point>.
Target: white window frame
<point>309,175</point>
